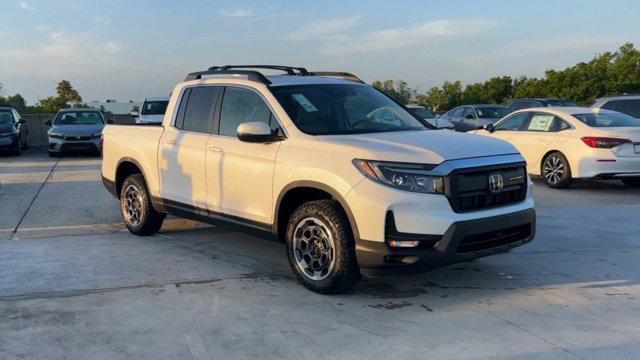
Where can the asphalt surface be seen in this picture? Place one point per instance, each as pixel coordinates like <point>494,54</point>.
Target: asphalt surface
<point>75,285</point>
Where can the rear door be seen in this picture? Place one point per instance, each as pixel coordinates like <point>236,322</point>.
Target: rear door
<point>538,132</point>
<point>241,173</point>
<point>183,149</point>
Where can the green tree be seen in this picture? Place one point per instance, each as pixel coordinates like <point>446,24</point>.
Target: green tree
<point>65,91</point>
<point>397,89</point>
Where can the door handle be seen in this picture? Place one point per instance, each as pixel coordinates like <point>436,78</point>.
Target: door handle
<point>171,142</point>
<point>215,149</point>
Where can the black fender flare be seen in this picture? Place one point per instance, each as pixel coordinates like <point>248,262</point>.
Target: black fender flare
<point>319,186</point>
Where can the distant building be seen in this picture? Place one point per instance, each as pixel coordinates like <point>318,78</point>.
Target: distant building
<point>113,106</point>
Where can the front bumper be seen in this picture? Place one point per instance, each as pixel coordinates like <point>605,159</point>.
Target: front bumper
<point>8,142</point>
<point>61,145</point>
<point>463,241</point>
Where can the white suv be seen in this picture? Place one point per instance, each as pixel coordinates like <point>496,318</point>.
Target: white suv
<point>344,175</point>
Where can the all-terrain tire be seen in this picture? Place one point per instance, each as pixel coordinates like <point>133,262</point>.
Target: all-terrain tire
<point>135,206</point>
<point>345,271</point>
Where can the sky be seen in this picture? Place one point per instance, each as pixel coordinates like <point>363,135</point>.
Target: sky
<point>131,49</point>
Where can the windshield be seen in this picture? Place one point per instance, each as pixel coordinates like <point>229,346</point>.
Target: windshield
<point>333,109</point>
<point>154,107</point>
<point>608,119</point>
<point>492,112</point>
<point>423,112</point>
<point>562,103</point>
<point>79,118</point>
<point>6,117</point>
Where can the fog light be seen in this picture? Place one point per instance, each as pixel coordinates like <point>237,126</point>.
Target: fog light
<point>403,244</point>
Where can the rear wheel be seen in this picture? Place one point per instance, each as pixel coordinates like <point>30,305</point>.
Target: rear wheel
<point>135,205</point>
<point>556,171</point>
<point>321,249</point>
<point>632,182</point>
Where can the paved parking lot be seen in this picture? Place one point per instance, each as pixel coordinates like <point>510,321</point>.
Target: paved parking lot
<point>74,284</point>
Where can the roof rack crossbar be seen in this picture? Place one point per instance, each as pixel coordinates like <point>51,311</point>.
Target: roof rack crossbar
<point>344,75</point>
<point>290,70</point>
<point>235,70</point>
<point>251,75</point>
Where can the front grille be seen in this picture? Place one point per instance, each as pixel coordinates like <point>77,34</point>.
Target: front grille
<point>469,189</point>
<point>78,147</point>
<point>77,138</point>
<point>494,239</point>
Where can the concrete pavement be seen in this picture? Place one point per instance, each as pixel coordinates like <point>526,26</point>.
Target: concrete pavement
<point>75,285</point>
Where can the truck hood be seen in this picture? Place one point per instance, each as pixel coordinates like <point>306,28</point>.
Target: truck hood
<point>428,147</point>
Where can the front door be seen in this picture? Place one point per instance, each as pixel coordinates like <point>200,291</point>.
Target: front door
<point>241,173</point>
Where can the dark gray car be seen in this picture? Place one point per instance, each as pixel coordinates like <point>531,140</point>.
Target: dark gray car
<point>14,135</point>
<point>473,117</point>
<point>75,130</point>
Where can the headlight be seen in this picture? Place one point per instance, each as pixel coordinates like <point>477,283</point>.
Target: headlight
<point>96,135</point>
<point>402,176</point>
<point>56,135</point>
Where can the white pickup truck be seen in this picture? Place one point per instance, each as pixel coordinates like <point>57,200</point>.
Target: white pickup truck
<point>344,175</point>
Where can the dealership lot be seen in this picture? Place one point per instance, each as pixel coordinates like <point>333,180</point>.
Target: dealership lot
<point>75,284</point>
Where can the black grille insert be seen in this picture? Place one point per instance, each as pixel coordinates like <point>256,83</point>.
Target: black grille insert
<point>469,189</point>
<point>488,240</point>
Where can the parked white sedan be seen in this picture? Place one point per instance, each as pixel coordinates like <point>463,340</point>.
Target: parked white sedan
<point>563,144</point>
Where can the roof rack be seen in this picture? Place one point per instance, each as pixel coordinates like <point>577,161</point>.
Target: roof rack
<point>344,75</point>
<point>259,77</point>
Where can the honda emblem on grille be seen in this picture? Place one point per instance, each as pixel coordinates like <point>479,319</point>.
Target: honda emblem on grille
<point>496,183</point>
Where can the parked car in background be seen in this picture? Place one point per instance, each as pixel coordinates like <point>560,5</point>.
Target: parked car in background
<point>563,144</point>
<point>152,110</point>
<point>14,135</point>
<point>437,122</point>
<point>519,104</point>
<point>332,167</point>
<point>75,130</point>
<point>473,117</point>
<point>626,104</point>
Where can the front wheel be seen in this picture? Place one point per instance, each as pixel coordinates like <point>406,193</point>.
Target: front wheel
<point>135,205</point>
<point>321,249</point>
<point>556,171</point>
<point>632,182</point>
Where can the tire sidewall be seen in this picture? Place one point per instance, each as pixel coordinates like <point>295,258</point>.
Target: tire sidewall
<point>138,182</point>
<point>344,250</point>
<point>566,179</point>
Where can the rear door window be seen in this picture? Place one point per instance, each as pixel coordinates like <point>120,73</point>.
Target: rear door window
<point>541,122</point>
<point>469,111</point>
<point>198,110</point>
<point>629,107</point>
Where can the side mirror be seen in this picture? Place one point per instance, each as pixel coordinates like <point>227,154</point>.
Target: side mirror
<point>469,116</point>
<point>109,121</point>
<point>256,132</point>
<point>22,121</point>
<point>135,114</point>
<point>48,122</point>
<point>490,128</point>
